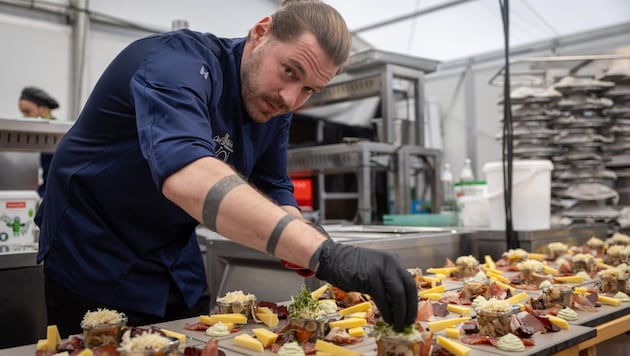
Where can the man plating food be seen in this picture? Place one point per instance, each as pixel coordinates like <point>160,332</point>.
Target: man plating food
<point>186,128</point>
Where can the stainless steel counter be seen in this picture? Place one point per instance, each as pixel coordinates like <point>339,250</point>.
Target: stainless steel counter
<point>230,266</point>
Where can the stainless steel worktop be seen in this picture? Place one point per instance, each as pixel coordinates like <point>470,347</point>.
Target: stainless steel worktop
<point>230,266</point>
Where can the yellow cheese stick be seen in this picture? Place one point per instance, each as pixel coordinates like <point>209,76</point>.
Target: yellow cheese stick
<point>236,318</point>
<point>458,309</point>
<point>432,296</point>
<point>452,333</point>
<point>433,280</point>
<point>443,270</point>
<point>322,353</point>
<point>179,336</point>
<point>319,291</point>
<point>604,266</point>
<point>324,346</point>
<point>504,286</point>
<point>537,256</point>
<point>271,320</point>
<point>497,277</point>
<point>608,300</point>
<point>439,289</point>
<point>515,299</point>
<point>435,326</point>
<point>361,307</point>
<point>453,347</point>
<point>266,337</point>
<point>347,323</point>
<point>358,315</point>
<point>550,270</point>
<point>244,340</point>
<point>86,352</point>
<point>559,322</point>
<point>570,279</point>
<point>356,332</point>
<point>579,290</point>
<point>493,271</point>
<point>490,262</point>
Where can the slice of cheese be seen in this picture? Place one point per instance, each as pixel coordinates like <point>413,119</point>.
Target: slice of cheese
<point>570,279</point>
<point>433,280</point>
<point>51,341</point>
<point>580,290</point>
<point>453,347</point>
<point>504,286</point>
<point>234,318</point>
<point>271,320</point>
<point>549,270</point>
<point>64,353</point>
<point>489,261</point>
<point>347,323</point>
<point>361,307</point>
<point>443,270</point>
<point>458,309</point>
<point>497,277</point>
<point>244,340</point>
<point>537,256</point>
<point>266,336</point>
<point>608,300</point>
<point>439,289</point>
<point>317,293</point>
<point>435,326</point>
<point>179,336</point>
<point>358,315</point>
<point>325,346</point>
<point>356,332</point>
<point>517,298</point>
<point>264,310</point>
<point>85,352</point>
<point>604,266</point>
<point>494,271</point>
<point>452,333</point>
<point>322,353</point>
<point>432,296</point>
<point>559,322</point>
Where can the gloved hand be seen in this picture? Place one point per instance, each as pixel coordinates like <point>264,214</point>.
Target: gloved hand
<point>377,273</point>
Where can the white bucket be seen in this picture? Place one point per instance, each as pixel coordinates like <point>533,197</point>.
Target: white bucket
<point>531,194</point>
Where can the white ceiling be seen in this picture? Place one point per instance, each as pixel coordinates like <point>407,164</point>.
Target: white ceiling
<point>474,27</point>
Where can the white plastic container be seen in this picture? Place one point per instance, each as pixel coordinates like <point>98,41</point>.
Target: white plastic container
<point>17,209</point>
<point>531,194</point>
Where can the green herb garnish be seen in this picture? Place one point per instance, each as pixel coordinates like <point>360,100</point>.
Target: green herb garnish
<point>303,306</point>
<point>381,328</point>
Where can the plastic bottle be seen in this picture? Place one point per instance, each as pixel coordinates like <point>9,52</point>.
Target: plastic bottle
<point>449,203</point>
<point>467,174</point>
<point>466,179</point>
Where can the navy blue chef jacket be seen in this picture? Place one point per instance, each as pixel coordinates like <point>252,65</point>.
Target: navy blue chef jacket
<point>107,232</point>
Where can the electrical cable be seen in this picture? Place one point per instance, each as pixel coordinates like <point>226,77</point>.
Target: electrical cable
<point>507,142</point>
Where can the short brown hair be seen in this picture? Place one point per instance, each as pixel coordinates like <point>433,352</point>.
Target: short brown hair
<point>294,17</point>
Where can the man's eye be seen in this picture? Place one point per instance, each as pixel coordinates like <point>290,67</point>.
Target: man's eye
<point>310,91</point>
<point>288,71</point>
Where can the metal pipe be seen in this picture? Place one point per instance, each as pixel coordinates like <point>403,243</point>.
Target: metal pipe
<point>80,27</point>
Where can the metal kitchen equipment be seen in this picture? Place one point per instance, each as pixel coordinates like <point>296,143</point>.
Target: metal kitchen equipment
<point>374,73</point>
<point>23,280</point>
<point>230,266</point>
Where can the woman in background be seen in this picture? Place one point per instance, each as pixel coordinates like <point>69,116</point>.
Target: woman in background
<point>35,102</point>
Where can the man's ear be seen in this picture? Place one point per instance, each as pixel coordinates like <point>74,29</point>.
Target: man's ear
<point>262,28</point>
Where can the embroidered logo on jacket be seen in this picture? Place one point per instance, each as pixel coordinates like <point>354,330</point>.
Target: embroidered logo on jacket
<point>204,72</point>
<point>225,147</point>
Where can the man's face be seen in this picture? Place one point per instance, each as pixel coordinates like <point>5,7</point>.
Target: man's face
<point>279,77</point>
<point>30,109</point>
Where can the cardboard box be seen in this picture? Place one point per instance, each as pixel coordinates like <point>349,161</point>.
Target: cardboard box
<point>17,209</point>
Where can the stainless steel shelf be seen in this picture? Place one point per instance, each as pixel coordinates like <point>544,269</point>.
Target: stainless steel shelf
<point>32,135</point>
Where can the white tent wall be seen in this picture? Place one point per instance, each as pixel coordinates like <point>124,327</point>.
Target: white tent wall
<point>37,50</point>
<point>36,39</point>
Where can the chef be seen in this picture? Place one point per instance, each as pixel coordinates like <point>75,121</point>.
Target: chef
<point>36,103</point>
<point>185,128</point>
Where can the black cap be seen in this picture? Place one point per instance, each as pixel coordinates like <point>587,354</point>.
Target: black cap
<point>39,97</point>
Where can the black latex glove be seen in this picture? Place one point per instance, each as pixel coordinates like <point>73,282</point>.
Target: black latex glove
<point>377,273</point>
